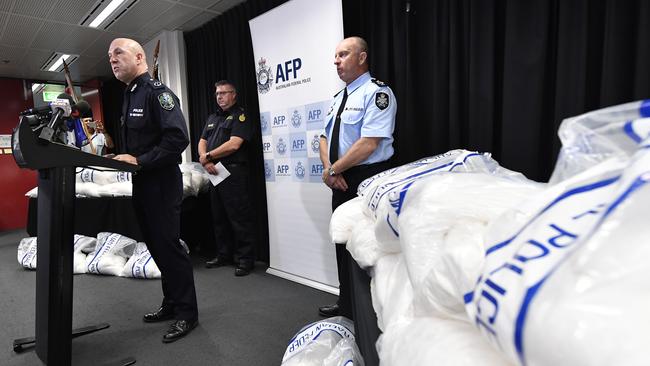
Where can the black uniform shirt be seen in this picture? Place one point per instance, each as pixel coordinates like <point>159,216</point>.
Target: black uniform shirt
<point>222,125</point>
<point>153,126</point>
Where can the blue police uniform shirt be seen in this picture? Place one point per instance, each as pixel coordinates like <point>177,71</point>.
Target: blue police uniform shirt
<point>153,126</point>
<point>369,112</point>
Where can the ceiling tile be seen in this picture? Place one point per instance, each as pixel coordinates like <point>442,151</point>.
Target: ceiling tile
<point>71,11</point>
<point>33,8</point>
<point>34,59</point>
<point>86,64</point>
<point>176,16</point>
<point>5,5</point>
<point>20,31</point>
<point>78,40</point>
<point>12,54</point>
<point>139,15</point>
<point>50,35</point>
<point>200,3</point>
<point>3,19</point>
<point>197,21</point>
<point>99,48</point>
<point>33,29</point>
<point>224,5</point>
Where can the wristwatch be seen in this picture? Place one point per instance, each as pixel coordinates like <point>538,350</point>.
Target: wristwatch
<point>331,171</point>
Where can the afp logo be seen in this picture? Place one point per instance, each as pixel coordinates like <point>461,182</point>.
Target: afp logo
<point>268,172</point>
<point>264,76</point>
<point>299,170</point>
<point>296,119</point>
<point>315,144</point>
<point>282,170</point>
<point>281,147</point>
<point>279,121</point>
<point>266,147</point>
<point>284,71</point>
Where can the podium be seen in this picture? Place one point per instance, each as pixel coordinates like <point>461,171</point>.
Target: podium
<point>56,164</point>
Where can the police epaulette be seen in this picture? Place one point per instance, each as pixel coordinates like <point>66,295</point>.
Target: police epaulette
<point>378,82</point>
<point>156,83</point>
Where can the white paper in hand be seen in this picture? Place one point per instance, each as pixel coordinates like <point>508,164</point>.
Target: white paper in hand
<point>222,173</point>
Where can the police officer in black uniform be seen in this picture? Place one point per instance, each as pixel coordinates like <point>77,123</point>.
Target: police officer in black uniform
<point>154,135</point>
<point>225,138</point>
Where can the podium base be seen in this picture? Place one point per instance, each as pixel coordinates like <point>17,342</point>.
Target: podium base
<point>29,342</point>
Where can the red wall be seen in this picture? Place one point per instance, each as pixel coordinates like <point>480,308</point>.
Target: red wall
<point>14,182</point>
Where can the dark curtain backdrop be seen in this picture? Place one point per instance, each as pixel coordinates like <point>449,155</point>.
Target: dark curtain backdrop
<point>222,49</point>
<point>500,76</point>
<point>112,96</point>
<point>489,75</point>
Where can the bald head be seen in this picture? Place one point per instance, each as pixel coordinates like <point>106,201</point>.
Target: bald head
<point>351,58</point>
<point>128,59</point>
<point>360,43</point>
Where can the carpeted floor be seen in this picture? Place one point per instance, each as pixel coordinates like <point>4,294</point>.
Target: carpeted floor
<point>243,320</point>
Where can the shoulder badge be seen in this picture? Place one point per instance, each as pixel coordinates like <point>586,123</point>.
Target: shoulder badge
<point>166,101</point>
<point>379,82</point>
<point>242,117</point>
<point>382,100</point>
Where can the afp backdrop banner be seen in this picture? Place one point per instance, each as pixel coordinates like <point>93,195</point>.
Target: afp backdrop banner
<point>296,80</point>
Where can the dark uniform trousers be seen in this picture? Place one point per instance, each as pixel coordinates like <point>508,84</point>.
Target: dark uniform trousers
<point>353,177</point>
<point>232,216</point>
<point>157,196</point>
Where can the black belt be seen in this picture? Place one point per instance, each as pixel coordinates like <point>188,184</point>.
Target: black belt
<point>234,165</point>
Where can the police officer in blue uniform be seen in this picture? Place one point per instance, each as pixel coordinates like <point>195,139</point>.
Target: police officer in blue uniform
<point>356,143</point>
<point>154,135</point>
<point>225,138</point>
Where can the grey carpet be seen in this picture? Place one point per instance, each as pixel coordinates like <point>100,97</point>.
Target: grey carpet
<point>243,320</point>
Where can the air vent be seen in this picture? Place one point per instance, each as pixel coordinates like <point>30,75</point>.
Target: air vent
<point>105,12</point>
<point>55,62</point>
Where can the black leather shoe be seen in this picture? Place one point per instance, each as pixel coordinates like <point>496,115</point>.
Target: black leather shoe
<point>243,270</point>
<point>179,329</point>
<point>217,262</point>
<point>164,313</point>
<point>329,310</point>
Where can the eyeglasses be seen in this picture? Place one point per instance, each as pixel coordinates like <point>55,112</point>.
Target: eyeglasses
<point>224,92</point>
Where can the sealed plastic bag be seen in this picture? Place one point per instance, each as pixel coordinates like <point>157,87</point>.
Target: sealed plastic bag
<point>110,254</point>
<point>28,249</point>
<point>596,136</point>
<point>328,342</point>
<point>141,264</point>
<point>567,282</point>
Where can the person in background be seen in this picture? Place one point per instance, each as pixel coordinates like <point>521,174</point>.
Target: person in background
<point>154,135</point>
<point>225,139</point>
<point>99,140</point>
<point>356,143</point>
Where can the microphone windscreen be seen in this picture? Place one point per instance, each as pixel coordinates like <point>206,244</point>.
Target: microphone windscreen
<point>66,96</point>
<point>84,109</point>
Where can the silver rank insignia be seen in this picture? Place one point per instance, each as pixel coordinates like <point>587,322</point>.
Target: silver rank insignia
<point>166,101</point>
<point>381,100</point>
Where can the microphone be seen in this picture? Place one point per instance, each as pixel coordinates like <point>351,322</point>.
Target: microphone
<point>81,108</point>
<point>62,107</point>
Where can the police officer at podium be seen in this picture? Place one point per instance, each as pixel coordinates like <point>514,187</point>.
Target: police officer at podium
<point>154,135</point>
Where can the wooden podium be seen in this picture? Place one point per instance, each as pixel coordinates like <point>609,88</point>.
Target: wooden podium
<point>56,164</point>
